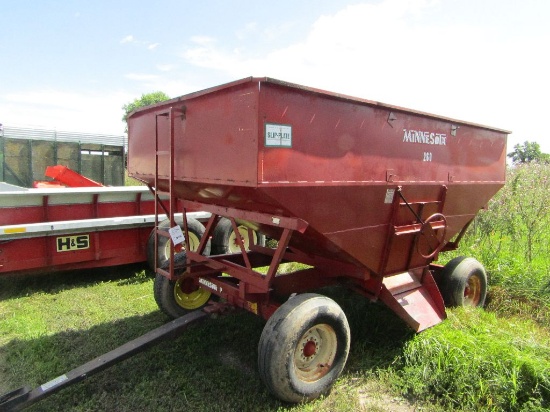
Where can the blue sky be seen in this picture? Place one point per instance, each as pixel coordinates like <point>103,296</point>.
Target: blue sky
<point>71,65</point>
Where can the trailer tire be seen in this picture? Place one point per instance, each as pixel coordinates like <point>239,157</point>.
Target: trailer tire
<point>464,282</point>
<point>178,297</point>
<point>224,239</point>
<point>196,230</point>
<point>303,348</point>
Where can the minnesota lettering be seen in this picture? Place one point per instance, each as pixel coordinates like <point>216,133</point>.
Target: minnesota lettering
<point>418,136</point>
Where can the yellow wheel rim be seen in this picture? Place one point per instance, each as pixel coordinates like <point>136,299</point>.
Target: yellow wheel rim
<point>193,245</point>
<point>233,244</point>
<point>187,299</point>
<point>193,241</point>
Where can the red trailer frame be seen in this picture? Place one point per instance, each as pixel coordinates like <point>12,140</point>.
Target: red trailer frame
<point>363,193</point>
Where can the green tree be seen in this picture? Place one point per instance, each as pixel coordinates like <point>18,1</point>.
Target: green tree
<point>145,100</point>
<point>528,152</point>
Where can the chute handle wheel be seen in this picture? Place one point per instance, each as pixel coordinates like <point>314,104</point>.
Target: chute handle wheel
<point>427,225</point>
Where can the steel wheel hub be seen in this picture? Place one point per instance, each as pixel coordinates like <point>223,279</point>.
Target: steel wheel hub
<point>315,353</point>
<point>472,291</point>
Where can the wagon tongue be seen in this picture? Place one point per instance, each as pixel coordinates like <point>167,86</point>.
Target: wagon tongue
<point>23,397</point>
<point>418,303</point>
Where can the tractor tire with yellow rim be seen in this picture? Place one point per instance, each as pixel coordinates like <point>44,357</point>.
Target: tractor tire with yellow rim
<point>178,297</point>
<point>224,239</point>
<point>196,230</point>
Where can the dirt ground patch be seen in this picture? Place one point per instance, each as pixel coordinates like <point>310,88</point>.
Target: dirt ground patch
<point>374,397</point>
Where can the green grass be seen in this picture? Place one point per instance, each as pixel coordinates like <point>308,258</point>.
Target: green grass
<point>475,360</point>
<point>53,323</point>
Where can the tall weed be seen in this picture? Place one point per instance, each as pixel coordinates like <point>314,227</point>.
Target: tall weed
<point>512,237</point>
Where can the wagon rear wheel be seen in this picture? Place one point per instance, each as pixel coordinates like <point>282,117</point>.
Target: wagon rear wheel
<point>303,348</point>
<point>464,282</point>
<point>224,239</point>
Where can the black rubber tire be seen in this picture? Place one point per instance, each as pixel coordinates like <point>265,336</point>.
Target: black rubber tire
<point>196,230</point>
<point>174,301</point>
<point>307,323</point>
<point>223,239</point>
<point>464,282</point>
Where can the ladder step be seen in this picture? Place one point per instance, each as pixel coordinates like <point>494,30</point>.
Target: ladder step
<point>430,202</point>
<point>415,228</point>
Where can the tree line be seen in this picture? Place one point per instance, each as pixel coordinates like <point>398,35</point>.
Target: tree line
<point>528,152</point>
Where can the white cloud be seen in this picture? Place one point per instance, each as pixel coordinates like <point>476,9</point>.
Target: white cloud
<point>392,52</point>
<point>171,84</point>
<point>165,67</point>
<point>203,40</point>
<point>149,45</point>
<point>141,76</point>
<point>248,30</point>
<point>127,39</point>
<point>68,111</point>
<point>358,38</point>
<point>275,31</point>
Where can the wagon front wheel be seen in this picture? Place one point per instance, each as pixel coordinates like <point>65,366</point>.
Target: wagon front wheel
<point>303,348</point>
<point>178,297</point>
<point>195,230</point>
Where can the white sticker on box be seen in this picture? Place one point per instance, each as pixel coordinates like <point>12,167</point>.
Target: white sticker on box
<point>278,135</point>
<point>389,196</point>
<point>176,234</point>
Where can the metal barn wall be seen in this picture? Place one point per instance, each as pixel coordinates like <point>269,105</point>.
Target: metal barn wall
<point>25,153</point>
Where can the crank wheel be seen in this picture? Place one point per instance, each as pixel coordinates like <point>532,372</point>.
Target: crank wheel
<point>435,241</point>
